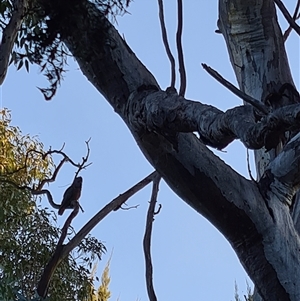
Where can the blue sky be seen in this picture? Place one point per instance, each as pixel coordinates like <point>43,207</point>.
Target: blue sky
<point>192,260</point>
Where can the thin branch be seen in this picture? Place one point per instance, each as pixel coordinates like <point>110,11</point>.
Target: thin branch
<point>53,178</point>
<point>80,166</point>
<point>34,192</point>
<point>50,268</point>
<point>38,190</point>
<point>180,51</point>
<point>66,158</point>
<point>84,159</point>
<point>147,239</point>
<point>248,166</point>
<point>25,164</point>
<point>287,16</point>
<point>166,43</point>
<point>112,206</point>
<point>62,251</point>
<point>296,16</point>
<point>129,208</point>
<point>254,102</point>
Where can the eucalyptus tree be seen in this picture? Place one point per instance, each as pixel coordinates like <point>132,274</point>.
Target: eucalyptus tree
<point>259,217</point>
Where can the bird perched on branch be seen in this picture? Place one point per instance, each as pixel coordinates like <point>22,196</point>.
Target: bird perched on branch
<point>71,195</point>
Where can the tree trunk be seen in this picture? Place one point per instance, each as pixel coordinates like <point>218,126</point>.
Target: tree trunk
<point>254,217</point>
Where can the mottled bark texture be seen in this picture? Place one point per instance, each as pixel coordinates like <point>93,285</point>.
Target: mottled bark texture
<point>254,217</point>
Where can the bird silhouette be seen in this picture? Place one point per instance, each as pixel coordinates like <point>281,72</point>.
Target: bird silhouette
<point>71,195</point>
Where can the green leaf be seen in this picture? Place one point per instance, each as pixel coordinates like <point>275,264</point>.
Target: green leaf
<point>27,65</point>
<point>20,65</point>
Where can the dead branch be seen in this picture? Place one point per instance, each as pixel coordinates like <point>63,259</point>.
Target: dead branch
<point>80,166</point>
<point>296,16</point>
<point>50,268</point>
<point>129,208</point>
<point>84,159</point>
<point>66,158</point>
<point>158,210</point>
<point>9,36</point>
<point>63,250</point>
<point>287,16</point>
<point>147,239</point>
<point>180,50</point>
<point>166,43</point>
<point>112,206</point>
<point>39,189</point>
<point>254,102</point>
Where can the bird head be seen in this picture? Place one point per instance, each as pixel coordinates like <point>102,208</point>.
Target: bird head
<point>78,181</point>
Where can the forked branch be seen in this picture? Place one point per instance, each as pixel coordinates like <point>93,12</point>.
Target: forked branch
<point>39,189</point>
<point>62,251</point>
<point>287,15</point>
<point>296,16</point>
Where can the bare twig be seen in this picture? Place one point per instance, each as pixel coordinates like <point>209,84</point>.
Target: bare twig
<point>62,251</point>
<point>66,158</point>
<point>166,43</point>
<point>129,208</point>
<point>38,190</point>
<point>254,102</point>
<point>84,159</point>
<point>287,15</point>
<point>80,166</point>
<point>249,167</point>
<point>296,16</point>
<point>53,178</point>
<point>147,239</point>
<point>180,50</point>
<point>158,210</point>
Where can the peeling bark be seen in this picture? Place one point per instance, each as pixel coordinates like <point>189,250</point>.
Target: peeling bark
<point>256,49</point>
<point>254,217</point>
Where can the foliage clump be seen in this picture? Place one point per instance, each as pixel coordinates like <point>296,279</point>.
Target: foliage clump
<point>39,41</point>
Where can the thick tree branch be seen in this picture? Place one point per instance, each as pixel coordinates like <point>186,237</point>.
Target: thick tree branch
<point>230,202</point>
<point>9,36</point>
<point>170,114</point>
<point>282,177</point>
